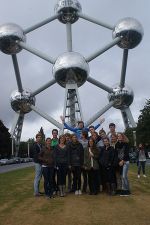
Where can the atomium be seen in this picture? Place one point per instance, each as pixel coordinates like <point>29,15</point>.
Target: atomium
<point>67,11</point>
<point>70,69</point>
<point>22,101</point>
<point>70,66</point>
<point>122,97</point>
<point>131,32</point>
<point>9,34</point>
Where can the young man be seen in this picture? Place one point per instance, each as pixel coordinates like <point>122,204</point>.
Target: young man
<point>80,127</point>
<point>112,130</point>
<point>54,140</point>
<point>36,149</point>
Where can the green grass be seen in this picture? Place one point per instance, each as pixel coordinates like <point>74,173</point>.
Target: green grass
<point>19,206</point>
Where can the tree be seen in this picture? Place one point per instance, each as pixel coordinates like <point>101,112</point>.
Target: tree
<point>143,126</point>
<point>5,141</point>
<point>42,133</point>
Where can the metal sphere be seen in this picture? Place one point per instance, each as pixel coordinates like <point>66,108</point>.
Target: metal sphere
<point>131,32</point>
<point>22,101</point>
<point>123,97</point>
<point>9,34</point>
<point>70,67</point>
<point>67,10</point>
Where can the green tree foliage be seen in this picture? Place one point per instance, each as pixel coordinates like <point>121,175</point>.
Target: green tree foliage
<point>5,141</point>
<point>143,126</point>
<point>43,135</point>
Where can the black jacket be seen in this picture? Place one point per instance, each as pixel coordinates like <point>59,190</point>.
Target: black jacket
<point>34,152</point>
<point>76,154</point>
<point>61,155</point>
<point>108,158</point>
<point>122,149</point>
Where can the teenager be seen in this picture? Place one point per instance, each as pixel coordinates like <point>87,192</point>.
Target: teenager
<point>91,155</point>
<point>35,150</point>
<point>141,158</point>
<point>122,149</point>
<point>47,159</point>
<point>61,161</point>
<point>76,158</point>
<point>108,161</point>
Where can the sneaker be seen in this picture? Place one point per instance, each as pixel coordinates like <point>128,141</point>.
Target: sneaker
<point>76,192</point>
<point>138,176</point>
<point>79,192</point>
<point>144,175</point>
<point>124,193</point>
<point>37,195</point>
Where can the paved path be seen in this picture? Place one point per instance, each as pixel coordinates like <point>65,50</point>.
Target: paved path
<point>7,168</point>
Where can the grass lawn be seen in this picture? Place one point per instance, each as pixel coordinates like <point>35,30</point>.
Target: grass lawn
<point>18,206</point>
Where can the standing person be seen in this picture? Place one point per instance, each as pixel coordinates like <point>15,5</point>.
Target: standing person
<point>76,159</point>
<point>78,130</point>
<point>102,135</point>
<point>91,155</point>
<point>141,158</point>
<point>113,140</point>
<point>35,150</point>
<point>54,142</point>
<point>122,149</point>
<point>112,130</point>
<point>108,160</point>
<point>61,159</point>
<point>47,159</point>
<point>84,142</point>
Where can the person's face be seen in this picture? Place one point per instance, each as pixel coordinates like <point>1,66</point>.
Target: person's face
<point>48,142</point>
<point>54,134</point>
<point>94,136</point>
<point>67,138</point>
<point>39,139</point>
<point>103,135</point>
<point>112,129</point>
<point>120,137</point>
<point>74,139</point>
<point>62,140</point>
<point>106,142</point>
<point>113,139</point>
<point>80,125</point>
<point>92,130</point>
<point>91,143</point>
<point>140,145</point>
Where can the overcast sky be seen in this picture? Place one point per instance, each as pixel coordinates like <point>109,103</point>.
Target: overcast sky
<point>87,38</point>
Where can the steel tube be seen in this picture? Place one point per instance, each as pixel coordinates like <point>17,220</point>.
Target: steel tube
<point>39,90</point>
<point>100,85</point>
<point>17,73</point>
<point>124,67</point>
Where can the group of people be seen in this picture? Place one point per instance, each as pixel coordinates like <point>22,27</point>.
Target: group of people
<point>90,161</point>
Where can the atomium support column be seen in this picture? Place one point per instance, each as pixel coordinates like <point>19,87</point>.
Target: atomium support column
<point>72,105</point>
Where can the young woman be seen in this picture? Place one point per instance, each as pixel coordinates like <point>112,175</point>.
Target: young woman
<point>108,161</point>
<point>122,149</point>
<point>141,158</point>
<point>46,156</point>
<point>61,162</point>
<point>76,158</point>
<point>91,155</point>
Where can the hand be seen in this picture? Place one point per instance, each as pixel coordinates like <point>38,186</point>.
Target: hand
<point>101,120</point>
<point>62,119</point>
<point>121,163</point>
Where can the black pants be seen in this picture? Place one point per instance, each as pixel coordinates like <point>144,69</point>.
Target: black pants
<point>109,174</point>
<point>61,174</point>
<point>85,179</point>
<point>93,181</point>
<point>76,170</point>
<point>141,164</point>
<point>48,180</point>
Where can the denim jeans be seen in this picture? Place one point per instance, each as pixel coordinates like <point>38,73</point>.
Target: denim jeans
<point>48,180</point>
<point>125,182</point>
<point>141,164</point>
<point>38,175</point>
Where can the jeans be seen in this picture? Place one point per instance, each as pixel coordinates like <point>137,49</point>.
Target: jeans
<point>48,180</point>
<point>76,170</point>
<point>125,182</point>
<point>141,164</point>
<point>38,175</point>
<point>61,174</point>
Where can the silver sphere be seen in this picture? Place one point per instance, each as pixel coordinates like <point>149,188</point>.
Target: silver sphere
<point>70,67</point>
<point>67,10</point>
<point>22,101</point>
<point>9,34</point>
<point>131,32</point>
<point>123,98</point>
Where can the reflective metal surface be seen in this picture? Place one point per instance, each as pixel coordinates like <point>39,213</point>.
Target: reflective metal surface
<point>123,97</point>
<point>70,67</point>
<point>67,10</point>
<point>9,34</point>
<point>21,101</point>
<point>131,31</point>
